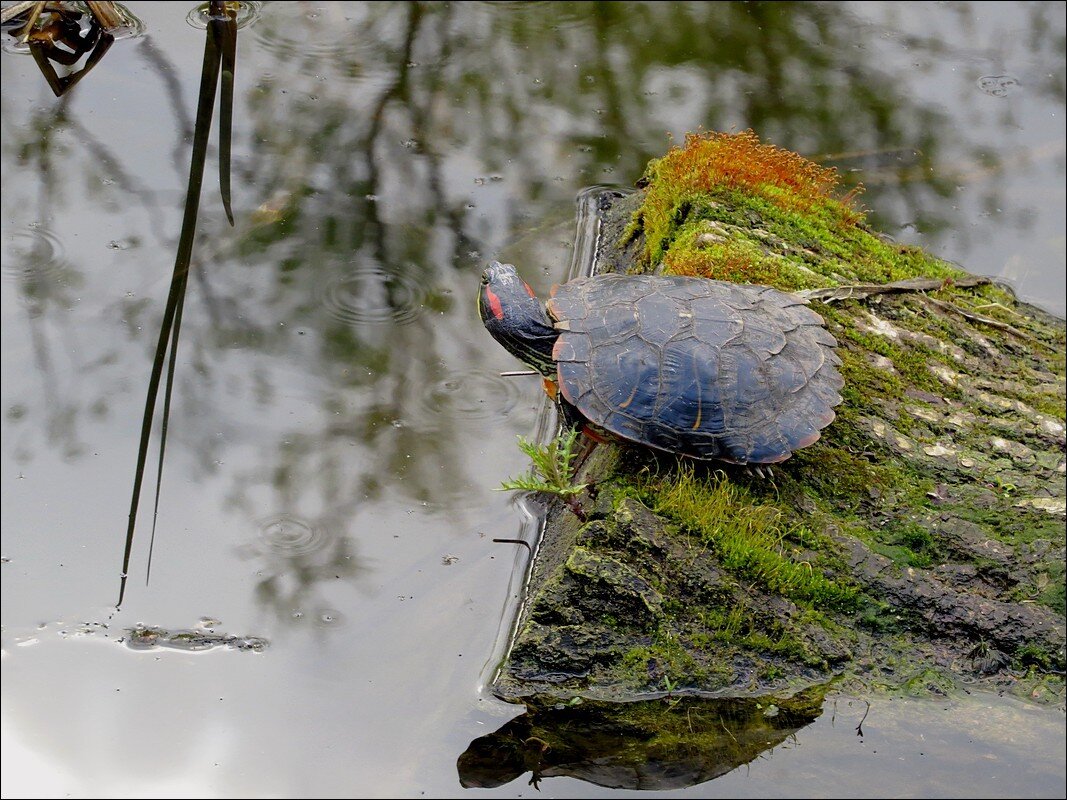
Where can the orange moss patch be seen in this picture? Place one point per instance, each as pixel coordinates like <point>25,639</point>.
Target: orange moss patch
<point>710,163</point>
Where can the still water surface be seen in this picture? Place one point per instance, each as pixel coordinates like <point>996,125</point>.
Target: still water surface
<point>339,423</point>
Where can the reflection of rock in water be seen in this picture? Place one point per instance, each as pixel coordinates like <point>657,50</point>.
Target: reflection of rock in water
<point>655,744</point>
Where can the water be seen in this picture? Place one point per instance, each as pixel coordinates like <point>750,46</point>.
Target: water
<point>339,424</point>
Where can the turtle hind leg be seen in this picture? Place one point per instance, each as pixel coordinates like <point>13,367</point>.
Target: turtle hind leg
<point>571,419</point>
<point>569,415</point>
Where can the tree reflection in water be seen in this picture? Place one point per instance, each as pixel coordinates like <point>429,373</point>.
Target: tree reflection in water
<point>344,291</point>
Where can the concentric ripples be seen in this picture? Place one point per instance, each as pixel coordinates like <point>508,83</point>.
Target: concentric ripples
<point>323,35</point>
<point>286,535</point>
<point>371,295</point>
<point>476,396</point>
<point>33,253</point>
<point>247,13</point>
<point>328,618</point>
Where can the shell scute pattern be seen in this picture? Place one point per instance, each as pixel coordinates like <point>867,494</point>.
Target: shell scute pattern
<point>698,367</point>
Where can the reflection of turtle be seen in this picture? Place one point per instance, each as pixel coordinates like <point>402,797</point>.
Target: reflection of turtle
<point>692,366</point>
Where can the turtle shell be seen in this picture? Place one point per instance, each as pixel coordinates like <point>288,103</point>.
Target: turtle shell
<point>703,368</point>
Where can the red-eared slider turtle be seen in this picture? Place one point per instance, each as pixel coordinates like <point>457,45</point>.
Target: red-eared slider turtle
<point>703,368</point>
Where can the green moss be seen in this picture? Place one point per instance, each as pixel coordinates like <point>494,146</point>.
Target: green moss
<point>878,617</point>
<point>907,543</point>
<point>747,537</point>
<point>1053,592</point>
<point>1029,656</point>
<point>910,363</point>
<point>665,664</point>
<point>731,256</point>
<point>929,682</point>
<point>836,474</point>
<point>1014,526</point>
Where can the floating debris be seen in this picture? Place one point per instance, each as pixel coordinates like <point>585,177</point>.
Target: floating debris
<point>144,637</point>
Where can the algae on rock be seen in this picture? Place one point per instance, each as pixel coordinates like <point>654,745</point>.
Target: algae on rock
<point>920,542</point>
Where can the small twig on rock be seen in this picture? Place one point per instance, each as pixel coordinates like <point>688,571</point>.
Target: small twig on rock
<point>861,291</point>
<point>969,315</point>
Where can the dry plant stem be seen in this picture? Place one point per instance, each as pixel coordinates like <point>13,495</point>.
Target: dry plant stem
<point>575,505</point>
<point>106,14</point>
<point>30,22</point>
<point>993,323</point>
<point>16,10</point>
<point>860,291</point>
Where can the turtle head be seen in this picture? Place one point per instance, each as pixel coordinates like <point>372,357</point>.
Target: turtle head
<point>515,317</point>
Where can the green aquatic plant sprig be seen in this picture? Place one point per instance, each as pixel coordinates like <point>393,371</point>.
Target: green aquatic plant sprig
<point>551,471</point>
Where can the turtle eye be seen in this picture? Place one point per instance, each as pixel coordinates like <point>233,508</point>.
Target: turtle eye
<point>485,280</point>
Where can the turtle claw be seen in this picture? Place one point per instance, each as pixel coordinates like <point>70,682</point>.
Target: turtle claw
<point>764,472</point>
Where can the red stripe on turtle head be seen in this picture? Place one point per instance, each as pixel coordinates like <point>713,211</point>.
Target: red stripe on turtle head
<point>529,291</point>
<point>494,303</point>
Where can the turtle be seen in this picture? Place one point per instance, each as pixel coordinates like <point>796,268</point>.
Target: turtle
<point>702,368</point>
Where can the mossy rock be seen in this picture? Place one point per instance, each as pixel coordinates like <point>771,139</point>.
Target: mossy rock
<point>922,536</point>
